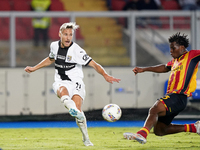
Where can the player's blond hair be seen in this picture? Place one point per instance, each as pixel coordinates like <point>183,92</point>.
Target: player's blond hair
<point>70,25</point>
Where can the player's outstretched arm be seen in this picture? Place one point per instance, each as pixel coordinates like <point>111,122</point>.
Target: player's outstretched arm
<point>45,62</point>
<point>101,71</point>
<point>158,69</point>
<point>138,70</point>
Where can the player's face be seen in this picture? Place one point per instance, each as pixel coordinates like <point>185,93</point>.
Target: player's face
<point>176,50</point>
<point>66,37</point>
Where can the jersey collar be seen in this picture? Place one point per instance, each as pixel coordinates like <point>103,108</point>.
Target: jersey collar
<point>59,43</point>
<point>182,56</point>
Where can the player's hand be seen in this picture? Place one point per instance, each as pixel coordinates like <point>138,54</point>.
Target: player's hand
<point>111,79</point>
<point>29,69</point>
<point>137,70</point>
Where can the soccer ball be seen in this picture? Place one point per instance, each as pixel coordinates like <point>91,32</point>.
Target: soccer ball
<point>111,112</point>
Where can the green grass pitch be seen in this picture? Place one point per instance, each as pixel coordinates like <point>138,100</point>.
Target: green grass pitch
<point>102,138</point>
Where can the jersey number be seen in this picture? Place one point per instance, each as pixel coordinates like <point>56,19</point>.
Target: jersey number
<point>78,86</point>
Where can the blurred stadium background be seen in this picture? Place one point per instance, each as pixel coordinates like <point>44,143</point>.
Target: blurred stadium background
<point>117,39</point>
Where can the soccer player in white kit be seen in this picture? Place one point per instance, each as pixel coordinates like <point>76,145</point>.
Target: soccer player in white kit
<point>69,58</point>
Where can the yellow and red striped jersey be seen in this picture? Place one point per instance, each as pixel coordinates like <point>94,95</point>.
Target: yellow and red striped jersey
<point>182,79</point>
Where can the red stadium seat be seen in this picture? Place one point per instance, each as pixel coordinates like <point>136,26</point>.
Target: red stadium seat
<point>21,5</point>
<point>60,21</point>
<point>4,32</point>
<point>24,21</point>
<point>122,21</point>
<point>4,26</point>
<point>23,32</point>
<point>117,4</point>
<point>178,22</point>
<point>164,22</point>
<point>170,5</point>
<point>20,33</point>
<point>1,21</point>
<point>27,21</point>
<point>181,22</point>
<point>53,32</point>
<point>4,21</point>
<point>24,29</point>
<point>56,5</point>
<point>30,32</point>
<point>5,5</point>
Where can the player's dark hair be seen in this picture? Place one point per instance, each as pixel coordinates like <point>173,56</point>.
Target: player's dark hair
<point>179,39</point>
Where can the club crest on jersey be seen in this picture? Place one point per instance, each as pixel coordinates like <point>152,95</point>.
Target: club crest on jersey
<point>69,58</point>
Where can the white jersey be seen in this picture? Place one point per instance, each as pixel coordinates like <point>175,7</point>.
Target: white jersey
<point>68,61</point>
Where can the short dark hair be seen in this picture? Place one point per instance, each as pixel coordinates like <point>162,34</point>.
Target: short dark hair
<point>179,39</point>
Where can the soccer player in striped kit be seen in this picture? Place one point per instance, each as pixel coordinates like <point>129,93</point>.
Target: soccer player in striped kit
<point>181,84</point>
<point>69,58</point>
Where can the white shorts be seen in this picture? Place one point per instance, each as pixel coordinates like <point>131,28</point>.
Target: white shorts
<point>74,88</point>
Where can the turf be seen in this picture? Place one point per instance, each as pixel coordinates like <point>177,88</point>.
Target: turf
<point>102,138</point>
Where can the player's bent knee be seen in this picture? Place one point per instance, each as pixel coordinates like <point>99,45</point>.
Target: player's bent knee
<point>156,110</point>
<point>153,110</point>
<point>159,132</point>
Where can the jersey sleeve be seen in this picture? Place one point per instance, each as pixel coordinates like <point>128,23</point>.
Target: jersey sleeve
<point>51,54</point>
<point>82,57</point>
<point>195,54</point>
<point>169,65</point>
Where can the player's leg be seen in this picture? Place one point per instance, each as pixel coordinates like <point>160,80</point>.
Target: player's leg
<point>82,124</point>
<point>161,129</point>
<point>176,104</point>
<point>165,127</point>
<point>63,93</point>
<point>161,120</point>
<point>194,127</point>
<point>164,110</point>
<point>158,109</point>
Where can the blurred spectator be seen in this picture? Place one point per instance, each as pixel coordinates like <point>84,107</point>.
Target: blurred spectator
<point>132,5</point>
<point>40,24</point>
<point>159,4</point>
<point>189,4</point>
<point>109,4</point>
<point>137,5</point>
<point>143,5</point>
<point>149,5</point>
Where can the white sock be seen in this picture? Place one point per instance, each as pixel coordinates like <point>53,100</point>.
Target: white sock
<point>68,103</point>
<point>83,127</point>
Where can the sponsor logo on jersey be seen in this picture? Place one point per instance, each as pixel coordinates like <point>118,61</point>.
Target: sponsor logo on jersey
<point>69,58</point>
<point>61,57</point>
<point>64,66</point>
<point>85,57</point>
